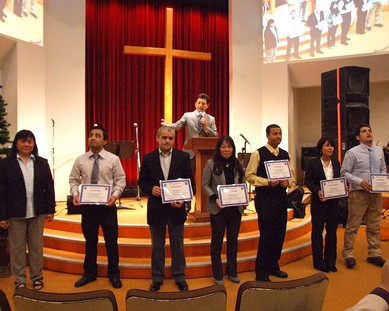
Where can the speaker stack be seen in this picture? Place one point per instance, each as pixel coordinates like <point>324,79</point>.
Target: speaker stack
<point>344,105</point>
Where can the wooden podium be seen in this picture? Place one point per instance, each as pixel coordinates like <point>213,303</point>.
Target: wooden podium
<point>203,147</point>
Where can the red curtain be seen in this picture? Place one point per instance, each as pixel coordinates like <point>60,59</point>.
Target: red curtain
<point>125,89</point>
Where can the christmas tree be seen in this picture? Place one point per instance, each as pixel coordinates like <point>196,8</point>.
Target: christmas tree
<point>4,133</point>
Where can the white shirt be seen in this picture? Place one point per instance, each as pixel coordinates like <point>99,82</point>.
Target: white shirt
<point>28,175</point>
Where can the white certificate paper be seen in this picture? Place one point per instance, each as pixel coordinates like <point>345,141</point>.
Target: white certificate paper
<point>94,194</point>
<point>233,195</point>
<point>176,190</point>
<point>278,170</point>
<point>333,188</point>
<point>380,182</point>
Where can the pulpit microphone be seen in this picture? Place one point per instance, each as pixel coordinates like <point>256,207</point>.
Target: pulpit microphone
<point>135,124</point>
<point>245,139</point>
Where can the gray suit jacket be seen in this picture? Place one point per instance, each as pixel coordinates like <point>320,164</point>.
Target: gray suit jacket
<point>190,121</point>
<point>210,182</point>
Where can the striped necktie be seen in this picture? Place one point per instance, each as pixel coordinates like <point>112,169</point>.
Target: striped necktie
<point>199,124</point>
<point>373,164</point>
<point>95,170</point>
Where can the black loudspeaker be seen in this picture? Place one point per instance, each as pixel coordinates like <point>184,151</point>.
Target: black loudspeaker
<point>353,100</point>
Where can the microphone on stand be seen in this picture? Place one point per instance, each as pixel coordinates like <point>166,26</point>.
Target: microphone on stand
<point>138,162</point>
<point>245,139</point>
<point>52,122</point>
<point>135,124</point>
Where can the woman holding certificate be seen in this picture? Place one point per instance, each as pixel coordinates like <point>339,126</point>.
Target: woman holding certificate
<point>324,212</point>
<point>223,169</point>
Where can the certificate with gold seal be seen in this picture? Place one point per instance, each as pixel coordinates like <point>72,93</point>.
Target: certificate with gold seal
<point>233,195</point>
<point>333,188</point>
<point>176,190</point>
<point>94,194</point>
<point>380,182</point>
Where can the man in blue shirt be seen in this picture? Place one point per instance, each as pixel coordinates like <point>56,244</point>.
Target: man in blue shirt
<point>359,162</point>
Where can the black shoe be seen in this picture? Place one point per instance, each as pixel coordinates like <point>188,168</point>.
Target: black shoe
<point>378,261</point>
<point>320,51</point>
<point>344,43</point>
<point>115,281</point>
<point>182,286</point>
<point>280,274</point>
<point>84,280</point>
<point>350,262</point>
<point>155,286</point>
<point>378,25</point>
<point>333,269</point>
<point>323,269</point>
<point>263,279</point>
<point>368,28</point>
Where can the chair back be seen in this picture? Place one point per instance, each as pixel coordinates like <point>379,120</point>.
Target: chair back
<point>306,294</point>
<point>4,305</point>
<point>209,298</point>
<point>30,300</point>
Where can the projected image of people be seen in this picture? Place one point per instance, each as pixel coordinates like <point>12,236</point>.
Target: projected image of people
<point>298,30</point>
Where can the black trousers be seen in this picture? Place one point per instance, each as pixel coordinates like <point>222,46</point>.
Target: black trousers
<point>94,216</point>
<point>272,219</point>
<point>229,219</point>
<point>324,216</point>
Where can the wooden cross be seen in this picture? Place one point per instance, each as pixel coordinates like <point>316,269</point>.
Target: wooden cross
<point>168,52</point>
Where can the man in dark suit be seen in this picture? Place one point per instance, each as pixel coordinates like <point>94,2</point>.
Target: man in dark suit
<point>165,163</point>
<point>314,22</point>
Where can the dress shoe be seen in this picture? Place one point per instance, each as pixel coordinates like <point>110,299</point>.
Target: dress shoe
<point>333,269</point>
<point>263,279</point>
<point>115,281</point>
<point>234,279</point>
<point>350,262</point>
<point>155,286</point>
<point>320,51</point>
<point>182,286</point>
<point>379,25</point>
<point>344,43</point>
<point>312,54</point>
<point>84,280</point>
<point>378,261</point>
<point>218,281</point>
<point>297,56</point>
<point>280,274</point>
<point>323,269</point>
<point>368,28</point>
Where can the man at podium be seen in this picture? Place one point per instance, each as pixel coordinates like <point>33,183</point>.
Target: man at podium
<point>197,123</point>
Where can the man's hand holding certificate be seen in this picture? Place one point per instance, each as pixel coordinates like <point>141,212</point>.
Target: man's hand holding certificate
<point>278,170</point>
<point>333,188</point>
<point>379,182</point>
<point>176,190</point>
<point>233,195</point>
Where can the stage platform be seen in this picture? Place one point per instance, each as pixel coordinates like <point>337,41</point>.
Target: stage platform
<point>64,242</point>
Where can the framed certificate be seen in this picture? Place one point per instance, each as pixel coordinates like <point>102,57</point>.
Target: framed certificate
<point>380,182</point>
<point>333,188</point>
<point>278,170</point>
<point>94,194</point>
<point>176,190</point>
<point>233,195</point>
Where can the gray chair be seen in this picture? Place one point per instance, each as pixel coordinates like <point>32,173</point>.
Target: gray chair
<point>4,305</point>
<point>209,298</point>
<point>30,300</point>
<point>306,294</point>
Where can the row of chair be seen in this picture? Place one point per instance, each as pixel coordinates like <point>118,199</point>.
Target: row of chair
<point>305,294</point>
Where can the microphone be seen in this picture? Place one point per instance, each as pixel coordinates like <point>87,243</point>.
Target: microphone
<point>95,125</point>
<point>52,122</point>
<point>135,124</point>
<point>245,139</point>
